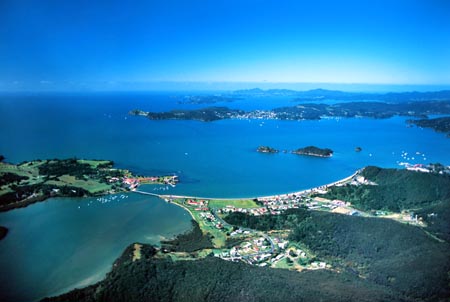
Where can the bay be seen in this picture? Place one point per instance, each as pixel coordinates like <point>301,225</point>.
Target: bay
<point>55,246</point>
<point>62,243</point>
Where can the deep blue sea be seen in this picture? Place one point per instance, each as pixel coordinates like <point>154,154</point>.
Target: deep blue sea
<point>54,246</point>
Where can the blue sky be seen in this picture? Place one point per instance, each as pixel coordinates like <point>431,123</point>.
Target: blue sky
<point>115,44</point>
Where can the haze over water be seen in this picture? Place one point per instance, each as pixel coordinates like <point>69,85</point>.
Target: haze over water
<point>55,245</point>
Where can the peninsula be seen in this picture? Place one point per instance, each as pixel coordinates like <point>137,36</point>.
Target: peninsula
<point>209,114</point>
<point>385,239</point>
<point>314,151</point>
<point>440,124</point>
<point>308,111</point>
<point>29,182</point>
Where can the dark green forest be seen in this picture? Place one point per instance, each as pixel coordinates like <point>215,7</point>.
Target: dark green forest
<point>287,220</point>
<point>191,241</point>
<point>373,259</point>
<point>72,166</point>
<point>397,190</point>
<point>427,194</point>
<point>313,150</point>
<point>440,124</point>
<point>401,257</point>
<point>213,279</point>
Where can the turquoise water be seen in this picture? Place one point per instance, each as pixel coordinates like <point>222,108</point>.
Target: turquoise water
<point>213,159</point>
<point>64,243</point>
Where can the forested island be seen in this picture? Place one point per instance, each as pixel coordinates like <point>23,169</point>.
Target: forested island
<point>440,124</point>
<point>209,114</point>
<point>33,181</point>
<point>314,151</point>
<point>379,235</point>
<point>308,111</point>
<point>266,149</point>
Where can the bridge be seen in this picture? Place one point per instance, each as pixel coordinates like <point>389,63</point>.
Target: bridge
<point>147,193</point>
<point>303,192</point>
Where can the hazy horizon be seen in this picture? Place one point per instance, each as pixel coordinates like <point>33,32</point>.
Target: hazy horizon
<point>193,87</point>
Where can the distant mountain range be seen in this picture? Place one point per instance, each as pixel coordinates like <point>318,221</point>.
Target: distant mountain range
<point>324,94</point>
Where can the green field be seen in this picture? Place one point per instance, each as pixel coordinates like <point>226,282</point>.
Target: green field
<point>40,179</point>
<point>92,186</point>
<point>206,226</point>
<point>93,163</point>
<point>238,203</point>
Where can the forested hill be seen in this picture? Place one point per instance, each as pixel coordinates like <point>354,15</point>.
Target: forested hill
<point>372,259</point>
<point>440,124</point>
<point>397,189</point>
<point>377,260</point>
<point>307,111</point>
<point>211,279</point>
<point>401,257</point>
<point>427,194</point>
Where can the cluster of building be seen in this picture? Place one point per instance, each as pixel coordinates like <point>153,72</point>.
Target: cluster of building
<point>258,248</point>
<point>131,183</point>
<point>257,114</point>
<point>261,250</point>
<point>209,217</point>
<point>252,211</point>
<point>279,204</point>
<point>431,168</point>
<point>200,205</point>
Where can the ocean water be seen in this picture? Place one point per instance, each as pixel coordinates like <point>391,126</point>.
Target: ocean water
<point>216,159</point>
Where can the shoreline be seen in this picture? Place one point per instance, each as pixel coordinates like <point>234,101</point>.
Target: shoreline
<point>305,191</point>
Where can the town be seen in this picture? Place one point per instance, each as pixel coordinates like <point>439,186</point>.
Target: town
<point>272,248</point>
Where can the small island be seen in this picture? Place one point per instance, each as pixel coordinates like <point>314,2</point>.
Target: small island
<point>29,182</point>
<point>3,232</point>
<point>314,151</point>
<point>266,149</point>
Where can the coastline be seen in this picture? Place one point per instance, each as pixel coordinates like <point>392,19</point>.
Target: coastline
<point>35,181</point>
<point>302,192</point>
<point>313,154</point>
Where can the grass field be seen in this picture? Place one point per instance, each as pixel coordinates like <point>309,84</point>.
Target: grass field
<point>93,163</point>
<point>91,186</point>
<point>241,203</point>
<point>284,264</point>
<point>206,226</point>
